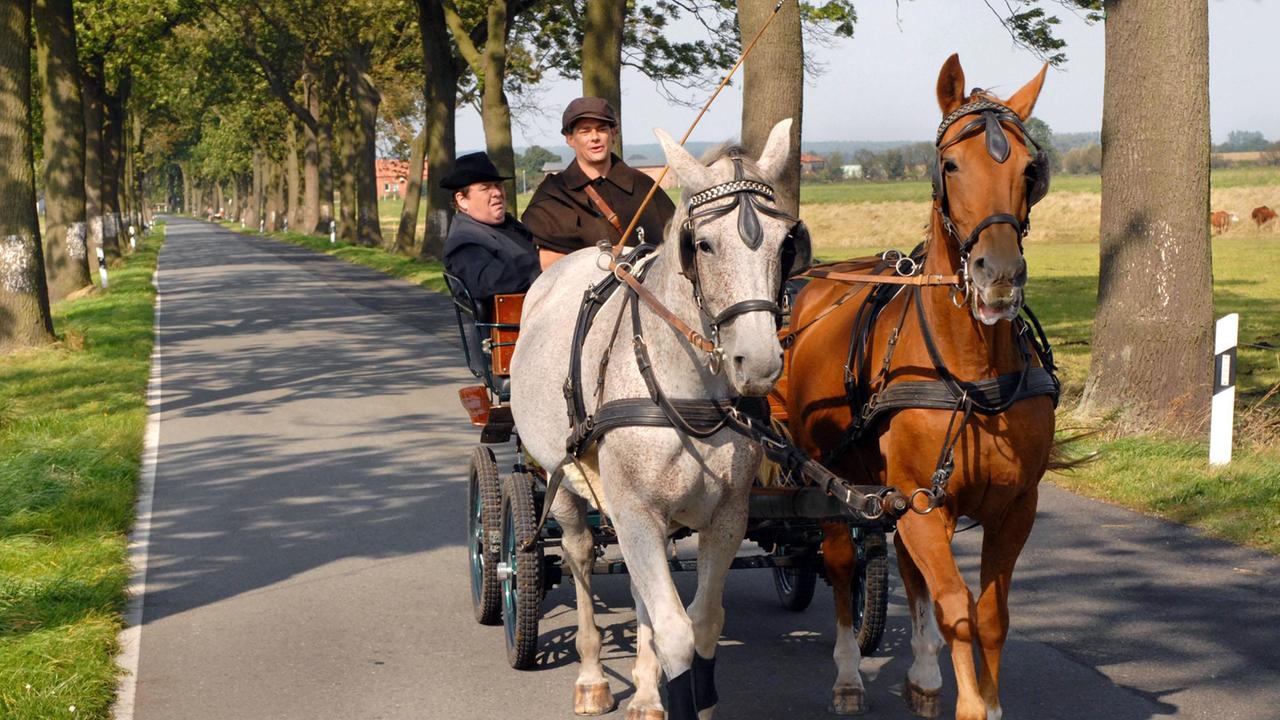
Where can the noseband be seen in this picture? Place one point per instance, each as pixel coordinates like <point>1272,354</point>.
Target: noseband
<point>990,121</point>
<point>746,197</point>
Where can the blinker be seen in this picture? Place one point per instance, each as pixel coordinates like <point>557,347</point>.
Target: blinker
<point>997,141</point>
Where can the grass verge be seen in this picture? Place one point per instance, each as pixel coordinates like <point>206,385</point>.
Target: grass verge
<point>72,418</point>
<point>426,273</point>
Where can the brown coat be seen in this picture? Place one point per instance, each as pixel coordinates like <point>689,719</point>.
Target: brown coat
<point>563,219</point>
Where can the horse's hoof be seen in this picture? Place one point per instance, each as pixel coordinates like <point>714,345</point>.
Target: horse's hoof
<point>923,703</point>
<point>649,713</point>
<point>848,700</point>
<point>593,699</point>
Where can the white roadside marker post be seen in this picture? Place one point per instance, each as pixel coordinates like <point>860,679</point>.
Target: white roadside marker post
<point>1224,389</point>
<point>133,240</point>
<point>102,268</point>
<point>333,232</point>
<point>262,225</point>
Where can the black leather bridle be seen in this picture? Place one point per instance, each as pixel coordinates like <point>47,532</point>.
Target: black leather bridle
<point>746,195</point>
<point>992,116</point>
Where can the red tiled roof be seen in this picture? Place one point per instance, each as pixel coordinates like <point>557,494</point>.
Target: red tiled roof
<point>386,168</point>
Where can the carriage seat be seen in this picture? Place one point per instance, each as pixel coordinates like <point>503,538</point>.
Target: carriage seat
<point>489,330</point>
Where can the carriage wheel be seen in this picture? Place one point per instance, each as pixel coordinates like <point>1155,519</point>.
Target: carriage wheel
<point>520,572</point>
<point>484,535</point>
<point>871,600</point>
<point>794,585</point>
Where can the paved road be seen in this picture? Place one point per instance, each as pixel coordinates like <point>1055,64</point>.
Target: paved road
<point>306,555</point>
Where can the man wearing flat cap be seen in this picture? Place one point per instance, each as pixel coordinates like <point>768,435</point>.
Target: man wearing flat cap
<point>490,251</point>
<point>596,194</point>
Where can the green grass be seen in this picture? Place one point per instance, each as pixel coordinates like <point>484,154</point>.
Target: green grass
<point>427,273</point>
<point>1170,478</point>
<point>922,190</point>
<point>71,423</point>
<point>1063,289</point>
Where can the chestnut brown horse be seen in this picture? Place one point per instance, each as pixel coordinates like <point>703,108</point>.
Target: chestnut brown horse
<point>946,395</point>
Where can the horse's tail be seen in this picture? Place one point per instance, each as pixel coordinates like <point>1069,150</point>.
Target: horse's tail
<point>1061,455</point>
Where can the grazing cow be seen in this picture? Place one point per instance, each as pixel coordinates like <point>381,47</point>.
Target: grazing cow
<point>1263,215</point>
<point>1222,220</point>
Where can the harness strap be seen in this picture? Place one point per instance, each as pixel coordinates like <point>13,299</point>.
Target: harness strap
<point>936,395</point>
<point>693,336</point>
<point>918,280</point>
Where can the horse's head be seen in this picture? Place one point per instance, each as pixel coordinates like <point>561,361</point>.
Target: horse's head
<point>736,247</point>
<point>985,181</point>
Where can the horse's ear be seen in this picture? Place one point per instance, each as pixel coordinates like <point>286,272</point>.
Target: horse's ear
<point>776,149</point>
<point>951,85</point>
<point>693,175</point>
<point>1024,101</point>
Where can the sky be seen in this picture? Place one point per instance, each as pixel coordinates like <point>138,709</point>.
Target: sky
<point>879,85</point>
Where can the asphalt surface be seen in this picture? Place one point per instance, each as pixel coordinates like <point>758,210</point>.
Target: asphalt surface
<point>307,554</point>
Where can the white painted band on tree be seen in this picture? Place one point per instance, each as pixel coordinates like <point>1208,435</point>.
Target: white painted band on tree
<point>16,266</point>
<point>1224,389</point>
<point>77,241</point>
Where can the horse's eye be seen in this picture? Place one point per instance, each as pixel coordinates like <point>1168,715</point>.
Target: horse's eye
<point>949,166</point>
<point>705,247</point>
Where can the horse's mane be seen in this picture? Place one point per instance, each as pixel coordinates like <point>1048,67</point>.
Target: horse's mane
<point>731,149</point>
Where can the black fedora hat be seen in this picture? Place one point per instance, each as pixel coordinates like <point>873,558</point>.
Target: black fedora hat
<point>472,168</point>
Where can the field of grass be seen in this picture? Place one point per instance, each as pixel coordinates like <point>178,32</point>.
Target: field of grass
<point>71,425</point>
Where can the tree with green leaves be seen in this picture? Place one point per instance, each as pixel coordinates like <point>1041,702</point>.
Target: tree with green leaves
<point>24,298</point>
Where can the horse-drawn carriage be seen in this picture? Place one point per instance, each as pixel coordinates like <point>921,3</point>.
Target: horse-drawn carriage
<point>508,583</point>
<point>944,360</point>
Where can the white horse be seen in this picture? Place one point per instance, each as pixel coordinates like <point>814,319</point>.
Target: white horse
<point>652,480</point>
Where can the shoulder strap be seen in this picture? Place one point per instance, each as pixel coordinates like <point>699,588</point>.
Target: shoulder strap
<point>608,212</point>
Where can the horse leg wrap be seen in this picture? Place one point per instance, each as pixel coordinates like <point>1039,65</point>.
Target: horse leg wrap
<point>704,682</point>
<point>680,703</point>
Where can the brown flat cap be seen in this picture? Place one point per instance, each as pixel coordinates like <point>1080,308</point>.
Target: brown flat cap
<point>587,107</point>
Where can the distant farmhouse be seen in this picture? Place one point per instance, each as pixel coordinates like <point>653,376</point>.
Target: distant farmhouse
<point>811,164</point>
<point>393,177</point>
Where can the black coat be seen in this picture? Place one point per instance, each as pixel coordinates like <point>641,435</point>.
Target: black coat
<point>563,218</point>
<point>491,259</point>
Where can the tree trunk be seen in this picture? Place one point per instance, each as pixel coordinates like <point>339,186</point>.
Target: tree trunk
<point>441,92</point>
<point>92,100</point>
<point>294,213</point>
<point>348,191</point>
<point>253,212</point>
<point>364,125</point>
<point>66,260</point>
<point>322,103</point>
<point>279,194</point>
<point>407,233</point>
<point>1153,331</point>
<point>112,146</point>
<point>495,111</point>
<point>310,181</point>
<point>271,204</point>
<point>773,87</point>
<point>24,297</point>
<point>602,57</point>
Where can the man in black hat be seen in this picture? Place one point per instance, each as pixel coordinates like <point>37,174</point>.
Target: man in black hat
<point>596,194</point>
<point>490,251</point>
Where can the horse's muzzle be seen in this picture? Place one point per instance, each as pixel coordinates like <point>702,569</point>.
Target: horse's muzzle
<point>996,302</point>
